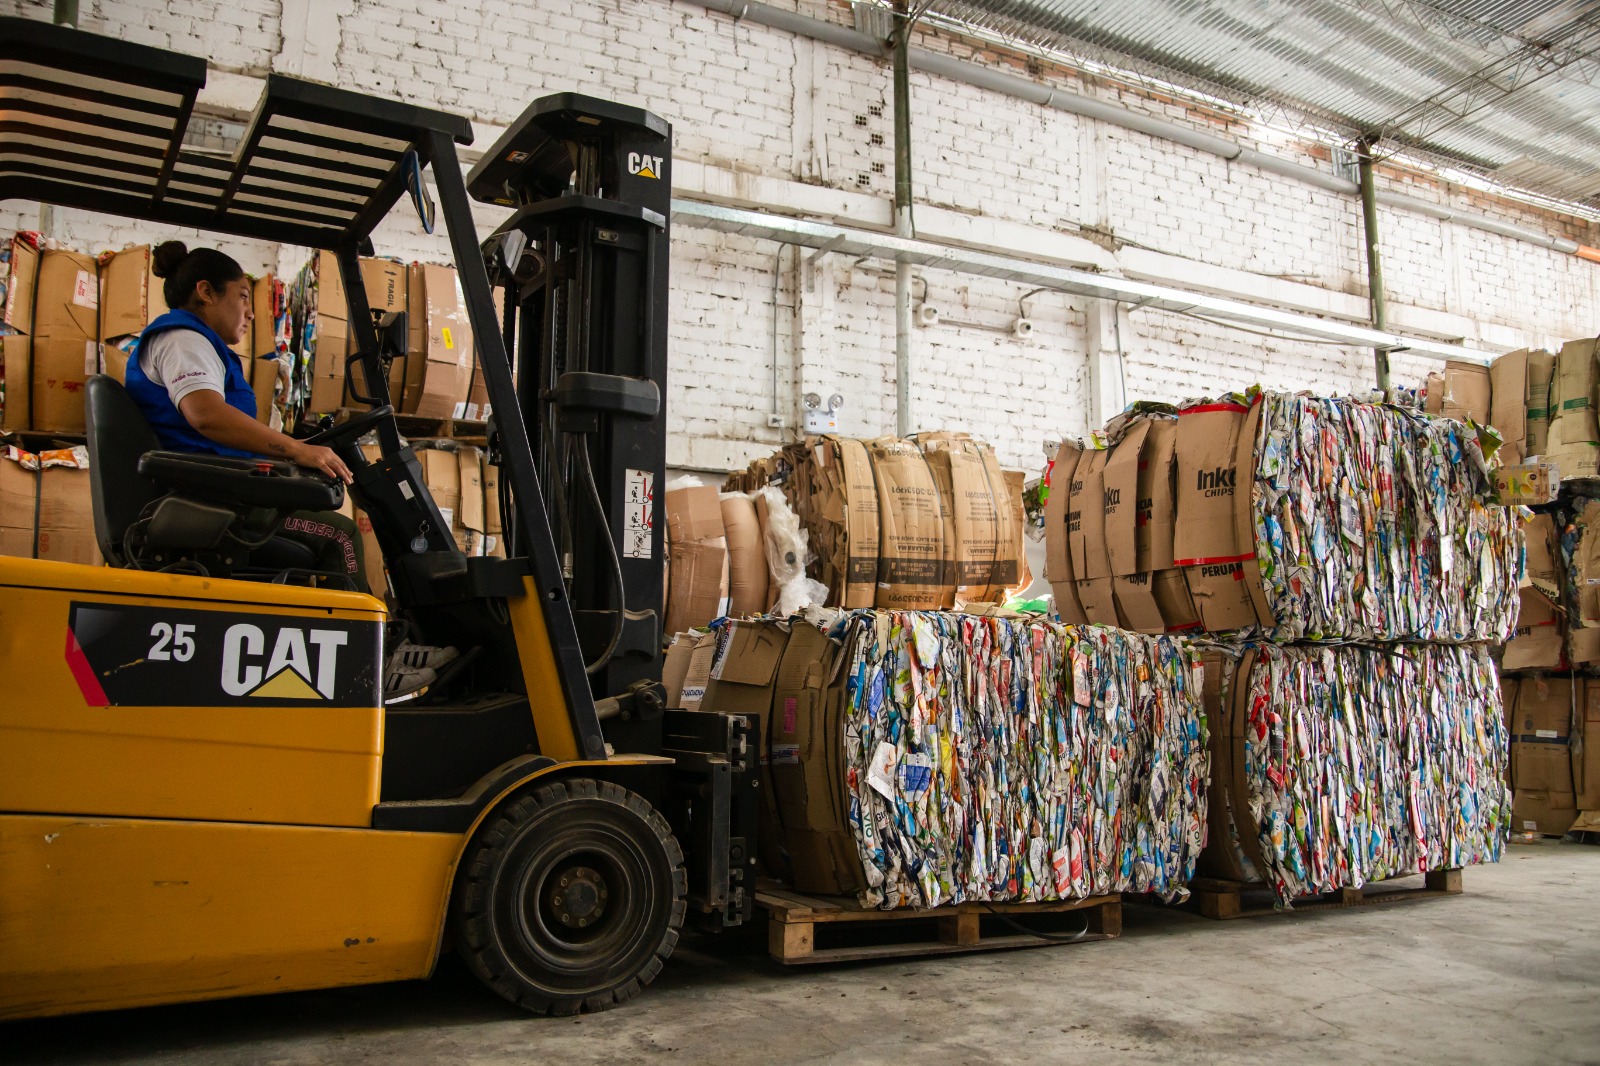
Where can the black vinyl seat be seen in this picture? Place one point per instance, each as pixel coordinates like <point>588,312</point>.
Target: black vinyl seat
<point>154,508</point>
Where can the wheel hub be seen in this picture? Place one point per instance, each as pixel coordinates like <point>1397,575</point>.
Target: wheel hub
<point>578,897</point>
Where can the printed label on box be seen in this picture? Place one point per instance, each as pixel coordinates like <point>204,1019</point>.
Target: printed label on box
<point>86,290</point>
<point>786,753</point>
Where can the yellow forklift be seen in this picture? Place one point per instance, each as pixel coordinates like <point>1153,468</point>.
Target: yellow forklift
<point>202,790</point>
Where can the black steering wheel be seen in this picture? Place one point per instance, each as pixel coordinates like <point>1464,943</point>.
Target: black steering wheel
<point>352,429</point>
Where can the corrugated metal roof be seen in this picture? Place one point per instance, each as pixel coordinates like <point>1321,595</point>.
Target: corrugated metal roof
<point>1506,89</point>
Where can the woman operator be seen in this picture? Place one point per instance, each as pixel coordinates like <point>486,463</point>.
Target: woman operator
<point>193,392</point>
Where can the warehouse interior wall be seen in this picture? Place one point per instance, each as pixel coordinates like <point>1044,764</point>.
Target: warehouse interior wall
<point>763,118</point>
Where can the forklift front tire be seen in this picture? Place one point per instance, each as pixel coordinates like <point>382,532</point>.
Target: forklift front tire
<point>570,898</point>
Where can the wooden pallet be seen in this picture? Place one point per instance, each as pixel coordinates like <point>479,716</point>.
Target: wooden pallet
<point>1235,899</point>
<point>850,933</point>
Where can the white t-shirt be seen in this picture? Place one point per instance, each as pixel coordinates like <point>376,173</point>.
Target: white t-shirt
<point>182,361</point>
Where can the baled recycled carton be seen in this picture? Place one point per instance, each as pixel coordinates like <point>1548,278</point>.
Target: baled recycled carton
<point>1573,431</point>
<point>911,570</point>
<point>806,759</point>
<point>1540,638</point>
<point>747,557</point>
<point>1583,646</point>
<point>1542,567</point>
<point>1541,368</point>
<point>1508,403</point>
<point>1058,529</point>
<point>838,503</point>
<point>1125,518</point>
<point>943,480</point>
<point>1206,539</point>
<point>46,510</point>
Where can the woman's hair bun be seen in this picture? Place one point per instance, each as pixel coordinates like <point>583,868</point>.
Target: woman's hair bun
<point>167,256</point>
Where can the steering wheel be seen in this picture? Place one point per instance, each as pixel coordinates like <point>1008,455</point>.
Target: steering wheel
<point>354,428</point>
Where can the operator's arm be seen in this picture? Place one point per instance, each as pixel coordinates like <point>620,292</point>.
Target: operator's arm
<point>211,417</point>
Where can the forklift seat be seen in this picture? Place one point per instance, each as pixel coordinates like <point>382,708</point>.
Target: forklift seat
<point>154,508</point>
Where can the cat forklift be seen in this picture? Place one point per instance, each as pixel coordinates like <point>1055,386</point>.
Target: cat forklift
<point>203,792</point>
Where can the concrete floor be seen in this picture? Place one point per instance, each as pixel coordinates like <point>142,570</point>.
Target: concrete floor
<point>1507,973</point>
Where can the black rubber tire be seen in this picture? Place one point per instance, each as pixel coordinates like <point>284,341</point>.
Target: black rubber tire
<point>519,855</point>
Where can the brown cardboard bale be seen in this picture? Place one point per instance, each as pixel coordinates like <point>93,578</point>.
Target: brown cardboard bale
<point>836,499</point>
<point>1508,402</point>
<point>983,537</point>
<point>1508,698</point>
<point>47,513</point>
<point>943,480</point>
<point>1573,432</point>
<point>1057,555</point>
<point>19,267</point>
<point>911,573</point>
<point>1011,533</point>
<point>1173,600</point>
<point>1136,603</point>
<point>694,513</point>
<point>1086,517</point>
<point>1098,596</point>
<point>770,598</point>
<point>1539,640</point>
<point>448,351</point>
<point>1466,391</point>
<point>130,293</point>
<point>1123,508</point>
<point>807,767</point>
<point>747,557</point>
<point>1244,518</point>
<point>1542,568</point>
<point>1205,538</point>
<point>1541,368</point>
<point>688,655</point>
<point>744,668</point>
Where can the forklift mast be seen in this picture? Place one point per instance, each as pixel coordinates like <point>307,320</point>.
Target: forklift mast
<point>582,266</point>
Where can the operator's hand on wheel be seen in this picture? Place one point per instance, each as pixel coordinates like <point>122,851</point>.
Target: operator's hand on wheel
<point>316,457</point>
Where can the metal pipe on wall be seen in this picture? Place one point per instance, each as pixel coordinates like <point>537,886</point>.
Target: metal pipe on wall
<point>903,225</point>
<point>1072,103</point>
<point>1369,232</point>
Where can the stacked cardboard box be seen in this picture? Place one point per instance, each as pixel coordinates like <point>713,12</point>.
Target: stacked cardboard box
<point>46,510</point>
<point>1550,762</point>
<point>697,551</point>
<point>51,336</point>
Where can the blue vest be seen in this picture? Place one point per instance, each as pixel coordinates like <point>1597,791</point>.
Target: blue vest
<point>172,429</point>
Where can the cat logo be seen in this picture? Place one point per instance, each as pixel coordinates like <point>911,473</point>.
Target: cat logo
<point>646,166</point>
<point>288,672</point>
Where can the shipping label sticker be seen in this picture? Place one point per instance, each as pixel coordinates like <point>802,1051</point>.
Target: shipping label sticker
<point>639,521</point>
<point>449,341</point>
<point>86,290</point>
<point>786,754</point>
<point>1546,734</point>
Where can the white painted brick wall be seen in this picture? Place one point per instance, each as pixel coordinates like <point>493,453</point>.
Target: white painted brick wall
<point>756,100</point>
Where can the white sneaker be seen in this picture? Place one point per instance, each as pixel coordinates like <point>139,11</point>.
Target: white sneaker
<point>420,656</point>
<point>403,682</point>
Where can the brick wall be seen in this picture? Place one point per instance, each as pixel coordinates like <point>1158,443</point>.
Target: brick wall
<point>759,101</point>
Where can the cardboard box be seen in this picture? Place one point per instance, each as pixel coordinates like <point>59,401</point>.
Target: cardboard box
<point>744,668</point>
<point>1541,369</point>
<point>447,343</point>
<point>698,584</point>
<point>806,755</point>
<point>62,366</point>
<point>1508,403</point>
<point>1542,567</point>
<point>747,557</point>
<point>911,571</point>
<point>1205,538</point>
<point>1573,431</point>
<point>130,293</point>
<point>1527,483</point>
<point>1057,531</point>
<point>1508,699</point>
<point>1539,641</point>
<point>1585,749</point>
<point>1545,709</point>
<point>494,524</point>
<point>1583,646</point>
<point>1543,796</point>
<point>47,512</point>
<point>45,374</point>
<point>694,514</point>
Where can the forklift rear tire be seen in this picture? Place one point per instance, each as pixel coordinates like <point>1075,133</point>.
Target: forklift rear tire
<point>570,898</point>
